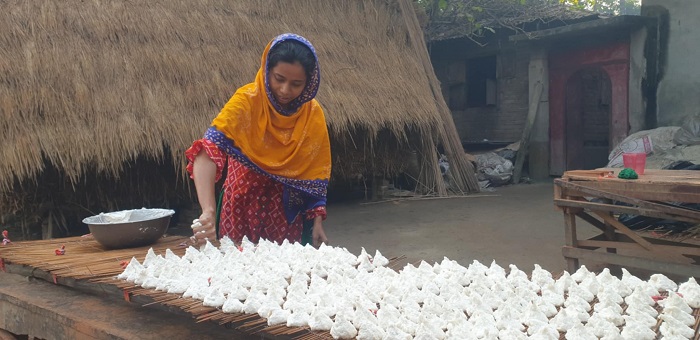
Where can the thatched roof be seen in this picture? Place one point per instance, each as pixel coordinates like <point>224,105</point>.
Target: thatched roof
<point>453,22</point>
<point>92,85</point>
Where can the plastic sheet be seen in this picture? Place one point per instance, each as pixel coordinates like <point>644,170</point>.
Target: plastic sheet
<point>126,216</point>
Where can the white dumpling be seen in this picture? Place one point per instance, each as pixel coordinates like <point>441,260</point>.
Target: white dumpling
<point>379,260</point>
<point>637,331</point>
<point>601,327</point>
<point>642,309</point>
<point>673,300</point>
<point>547,308</point>
<point>678,314</point>
<point>516,273</point>
<point>512,334</point>
<point>639,297</point>
<point>580,332</point>
<point>151,258</point>
<point>298,319</point>
<point>577,291</point>
<point>611,315</point>
<point>671,326</point>
<point>640,319</point>
<point>691,292</point>
<point>609,294</point>
<point>232,305</point>
<point>214,299</point>
<point>343,329</point>
<point>370,332</point>
<point>533,314</point>
<point>394,332</point>
<point>663,283</point>
<point>581,274</point>
<point>278,317</point>
<point>566,319</point>
<point>563,283</point>
<point>131,270</point>
<point>546,332</point>
<point>574,301</point>
<point>495,271</point>
<point>319,321</point>
<point>251,306</point>
<point>541,277</point>
<point>552,295</point>
<point>630,279</point>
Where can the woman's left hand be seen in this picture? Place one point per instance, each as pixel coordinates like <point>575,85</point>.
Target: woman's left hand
<point>318,235</point>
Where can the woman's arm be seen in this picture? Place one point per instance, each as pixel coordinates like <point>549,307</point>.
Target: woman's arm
<point>204,173</point>
<point>318,235</point>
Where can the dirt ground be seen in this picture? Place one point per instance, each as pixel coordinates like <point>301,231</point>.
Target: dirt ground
<point>513,225</point>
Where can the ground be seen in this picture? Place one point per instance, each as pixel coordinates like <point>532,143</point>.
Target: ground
<point>513,225</point>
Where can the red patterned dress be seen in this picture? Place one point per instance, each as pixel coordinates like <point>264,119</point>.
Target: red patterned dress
<point>252,202</point>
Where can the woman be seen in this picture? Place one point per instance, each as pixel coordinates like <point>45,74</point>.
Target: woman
<point>273,135</point>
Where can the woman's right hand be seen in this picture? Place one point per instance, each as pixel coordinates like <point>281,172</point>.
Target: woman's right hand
<point>207,230</point>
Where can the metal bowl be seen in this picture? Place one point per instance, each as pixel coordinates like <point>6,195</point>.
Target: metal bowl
<point>129,228</point>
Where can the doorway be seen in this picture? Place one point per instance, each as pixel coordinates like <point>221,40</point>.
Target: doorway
<point>588,119</point>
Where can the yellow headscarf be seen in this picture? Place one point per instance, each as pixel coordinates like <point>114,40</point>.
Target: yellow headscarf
<point>294,147</point>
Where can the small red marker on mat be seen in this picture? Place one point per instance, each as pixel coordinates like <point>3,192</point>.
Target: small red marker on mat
<point>5,238</point>
<point>61,251</point>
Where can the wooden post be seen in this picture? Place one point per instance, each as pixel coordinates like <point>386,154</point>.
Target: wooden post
<point>525,139</point>
<point>571,239</point>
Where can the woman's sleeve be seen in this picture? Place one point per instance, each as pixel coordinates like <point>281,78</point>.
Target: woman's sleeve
<point>213,151</point>
<point>315,212</point>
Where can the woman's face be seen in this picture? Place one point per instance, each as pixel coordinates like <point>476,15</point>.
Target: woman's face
<point>287,81</point>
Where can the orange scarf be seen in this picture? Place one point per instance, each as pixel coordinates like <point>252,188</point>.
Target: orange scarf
<point>295,147</point>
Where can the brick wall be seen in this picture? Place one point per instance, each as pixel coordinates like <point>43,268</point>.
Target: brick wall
<point>504,121</point>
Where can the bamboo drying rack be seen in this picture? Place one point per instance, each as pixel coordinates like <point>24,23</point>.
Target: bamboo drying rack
<point>88,266</point>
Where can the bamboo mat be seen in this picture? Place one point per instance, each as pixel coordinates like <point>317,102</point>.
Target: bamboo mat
<point>87,260</point>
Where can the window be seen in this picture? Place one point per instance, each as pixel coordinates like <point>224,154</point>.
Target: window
<point>481,81</point>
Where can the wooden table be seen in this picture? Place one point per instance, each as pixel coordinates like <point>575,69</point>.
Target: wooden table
<point>593,197</point>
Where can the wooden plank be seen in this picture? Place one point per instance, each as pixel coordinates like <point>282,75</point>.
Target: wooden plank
<point>619,209</point>
<point>592,221</point>
<point>689,177</point>
<point>634,246</point>
<point>684,270</point>
<point>695,215</point>
<point>525,139</point>
<point>652,191</point>
<point>673,256</point>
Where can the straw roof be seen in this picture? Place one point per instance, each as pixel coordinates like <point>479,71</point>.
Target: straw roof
<point>454,23</point>
<point>91,86</point>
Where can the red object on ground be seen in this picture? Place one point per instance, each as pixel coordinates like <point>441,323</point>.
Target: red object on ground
<point>5,238</point>
<point>124,263</point>
<point>61,251</point>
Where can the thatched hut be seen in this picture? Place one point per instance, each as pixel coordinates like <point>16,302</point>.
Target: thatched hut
<point>100,99</point>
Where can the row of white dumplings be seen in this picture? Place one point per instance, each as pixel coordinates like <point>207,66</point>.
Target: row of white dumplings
<point>357,296</point>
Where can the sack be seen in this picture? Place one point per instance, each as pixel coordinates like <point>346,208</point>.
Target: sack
<point>689,133</point>
<point>637,145</point>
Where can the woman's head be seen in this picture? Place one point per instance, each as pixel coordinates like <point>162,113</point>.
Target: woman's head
<point>292,72</point>
<point>292,52</point>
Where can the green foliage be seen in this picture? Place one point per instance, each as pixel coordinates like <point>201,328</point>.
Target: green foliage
<point>611,7</point>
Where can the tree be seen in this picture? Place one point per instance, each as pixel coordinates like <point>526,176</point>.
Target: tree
<point>611,7</point>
